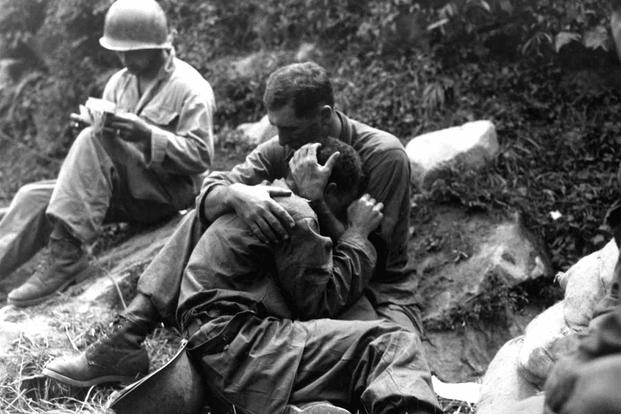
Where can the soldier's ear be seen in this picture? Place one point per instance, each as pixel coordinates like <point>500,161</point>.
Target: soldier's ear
<point>325,112</point>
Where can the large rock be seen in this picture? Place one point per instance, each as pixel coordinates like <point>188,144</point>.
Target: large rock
<point>469,265</point>
<point>255,133</point>
<point>469,146</point>
<point>468,260</point>
<point>256,64</point>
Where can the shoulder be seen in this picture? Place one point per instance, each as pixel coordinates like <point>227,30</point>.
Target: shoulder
<point>117,77</point>
<point>376,146</point>
<point>186,78</point>
<point>367,137</point>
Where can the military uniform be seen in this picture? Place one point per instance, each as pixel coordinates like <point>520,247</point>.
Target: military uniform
<point>104,178</point>
<point>253,311</point>
<point>392,288</point>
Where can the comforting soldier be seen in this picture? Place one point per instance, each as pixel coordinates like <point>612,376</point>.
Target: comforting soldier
<point>143,166</point>
<point>251,308</point>
<point>300,103</point>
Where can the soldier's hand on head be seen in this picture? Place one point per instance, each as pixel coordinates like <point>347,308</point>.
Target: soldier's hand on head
<point>310,177</point>
<point>365,214</point>
<point>128,127</point>
<point>265,217</point>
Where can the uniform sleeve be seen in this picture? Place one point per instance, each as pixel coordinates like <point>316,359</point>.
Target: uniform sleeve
<point>389,182</point>
<point>320,279</point>
<point>265,163</point>
<point>188,148</point>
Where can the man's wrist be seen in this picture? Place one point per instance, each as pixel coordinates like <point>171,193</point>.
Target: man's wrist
<point>359,230</point>
<point>319,205</point>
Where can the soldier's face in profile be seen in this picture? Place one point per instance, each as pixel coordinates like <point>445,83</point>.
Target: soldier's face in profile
<point>294,131</point>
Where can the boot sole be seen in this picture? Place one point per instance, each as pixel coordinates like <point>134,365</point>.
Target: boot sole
<point>22,303</point>
<point>104,379</point>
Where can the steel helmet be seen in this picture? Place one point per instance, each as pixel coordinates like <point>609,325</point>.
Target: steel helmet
<point>177,387</point>
<point>133,25</point>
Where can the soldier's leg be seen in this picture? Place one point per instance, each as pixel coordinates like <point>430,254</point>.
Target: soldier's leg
<point>24,229</point>
<point>77,208</point>
<point>158,289</point>
<point>370,366</point>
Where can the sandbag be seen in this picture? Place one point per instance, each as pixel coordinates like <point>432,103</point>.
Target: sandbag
<point>503,387</point>
<point>547,338</point>
<point>586,283</point>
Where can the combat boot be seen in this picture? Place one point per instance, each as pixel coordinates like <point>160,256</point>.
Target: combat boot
<point>118,356</point>
<point>65,264</point>
<point>320,407</point>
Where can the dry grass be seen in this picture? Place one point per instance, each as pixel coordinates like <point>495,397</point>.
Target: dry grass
<point>456,407</point>
<point>23,390</point>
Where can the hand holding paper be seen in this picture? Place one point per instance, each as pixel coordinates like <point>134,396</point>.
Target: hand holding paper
<point>94,112</point>
<point>129,127</point>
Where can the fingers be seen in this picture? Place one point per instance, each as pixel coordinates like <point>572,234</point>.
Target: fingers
<point>331,161</point>
<point>278,192</point>
<point>262,230</point>
<point>273,226</point>
<point>282,220</point>
<point>305,153</point>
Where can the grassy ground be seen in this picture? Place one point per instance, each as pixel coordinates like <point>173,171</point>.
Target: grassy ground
<point>29,392</point>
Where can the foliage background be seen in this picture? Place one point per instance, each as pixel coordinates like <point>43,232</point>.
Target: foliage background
<point>544,71</point>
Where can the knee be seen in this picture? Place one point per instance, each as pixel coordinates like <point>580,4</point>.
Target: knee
<point>34,194</point>
<point>86,136</point>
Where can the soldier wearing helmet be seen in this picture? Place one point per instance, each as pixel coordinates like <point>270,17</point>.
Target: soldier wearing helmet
<point>142,164</point>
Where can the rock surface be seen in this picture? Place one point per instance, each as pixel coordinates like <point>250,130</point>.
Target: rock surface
<point>255,133</point>
<point>464,258</point>
<point>469,266</point>
<point>469,146</point>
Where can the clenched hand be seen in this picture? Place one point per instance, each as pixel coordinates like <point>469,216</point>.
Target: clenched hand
<point>365,214</point>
